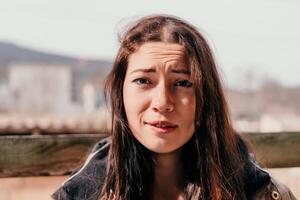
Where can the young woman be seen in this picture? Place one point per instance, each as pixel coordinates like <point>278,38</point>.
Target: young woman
<point>171,135</point>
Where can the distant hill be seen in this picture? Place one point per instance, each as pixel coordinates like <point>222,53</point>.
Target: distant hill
<point>11,54</point>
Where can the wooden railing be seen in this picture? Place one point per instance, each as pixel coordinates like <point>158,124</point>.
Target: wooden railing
<point>51,155</point>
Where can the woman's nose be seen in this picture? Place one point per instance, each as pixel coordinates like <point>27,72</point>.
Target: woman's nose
<point>162,100</point>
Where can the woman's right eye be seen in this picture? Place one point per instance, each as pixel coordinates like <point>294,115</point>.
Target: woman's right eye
<point>141,81</point>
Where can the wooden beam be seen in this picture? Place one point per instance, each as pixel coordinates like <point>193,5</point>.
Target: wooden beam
<point>276,150</point>
<point>43,155</point>
<point>49,155</point>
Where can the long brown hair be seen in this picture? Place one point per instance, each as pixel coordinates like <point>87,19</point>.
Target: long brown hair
<point>213,166</point>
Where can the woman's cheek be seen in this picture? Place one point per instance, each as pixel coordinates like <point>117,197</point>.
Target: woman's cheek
<point>187,99</point>
<point>136,101</point>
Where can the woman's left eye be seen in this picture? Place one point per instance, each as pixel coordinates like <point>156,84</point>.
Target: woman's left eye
<point>184,83</point>
<point>142,81</point>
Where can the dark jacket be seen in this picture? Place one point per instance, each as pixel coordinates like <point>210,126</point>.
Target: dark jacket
<point>86,183</point>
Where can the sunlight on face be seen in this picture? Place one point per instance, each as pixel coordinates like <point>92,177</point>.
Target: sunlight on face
<point>159,97</point>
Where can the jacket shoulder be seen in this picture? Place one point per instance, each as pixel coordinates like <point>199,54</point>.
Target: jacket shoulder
<point>87,182</point>
<point>274,190</point>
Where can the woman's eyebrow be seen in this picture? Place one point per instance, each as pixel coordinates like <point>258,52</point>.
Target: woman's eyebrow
<point>147,70</point>
<point>181,71</point>
<point>151,70</point>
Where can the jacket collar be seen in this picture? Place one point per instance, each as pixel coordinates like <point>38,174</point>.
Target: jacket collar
<point>254,178</point>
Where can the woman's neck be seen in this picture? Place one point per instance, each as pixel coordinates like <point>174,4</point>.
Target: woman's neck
<point>168,176</point>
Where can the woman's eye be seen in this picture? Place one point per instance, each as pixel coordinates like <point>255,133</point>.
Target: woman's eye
<point>141,81</point>
<point>184,83</point>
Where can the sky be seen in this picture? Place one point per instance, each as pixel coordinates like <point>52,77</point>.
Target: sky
<point>257,37</point>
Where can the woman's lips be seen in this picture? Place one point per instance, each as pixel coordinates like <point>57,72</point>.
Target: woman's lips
<point>162,126</point>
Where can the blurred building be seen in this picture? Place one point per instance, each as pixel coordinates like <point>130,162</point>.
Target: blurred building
<point>89,98</point>
<point>4,97</point>
<point>40,88</point>
<point>265,110</point>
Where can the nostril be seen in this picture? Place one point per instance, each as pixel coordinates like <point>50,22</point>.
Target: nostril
<point>164,108</point>
<point>155,109</point>
<point>169,108</point>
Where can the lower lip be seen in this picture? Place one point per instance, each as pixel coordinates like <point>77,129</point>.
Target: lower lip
<point>166,130</point>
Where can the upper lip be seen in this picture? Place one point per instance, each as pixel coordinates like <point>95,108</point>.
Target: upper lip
<point>161,123</point>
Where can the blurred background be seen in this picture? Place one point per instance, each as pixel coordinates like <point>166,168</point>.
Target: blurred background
<point>54,56</point>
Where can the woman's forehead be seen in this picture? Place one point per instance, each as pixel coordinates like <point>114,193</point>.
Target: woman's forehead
<point>153,53</point>
<point>162,46</point>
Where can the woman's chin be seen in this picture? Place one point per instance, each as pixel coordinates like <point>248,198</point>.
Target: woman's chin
<point>160,147</point>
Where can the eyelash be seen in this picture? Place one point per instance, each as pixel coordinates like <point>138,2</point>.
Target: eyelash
<point>141,81</point>
<point>185,83</point>
<point>181,83</point>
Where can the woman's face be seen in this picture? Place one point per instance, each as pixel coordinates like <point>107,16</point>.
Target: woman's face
<point>159,97</point>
